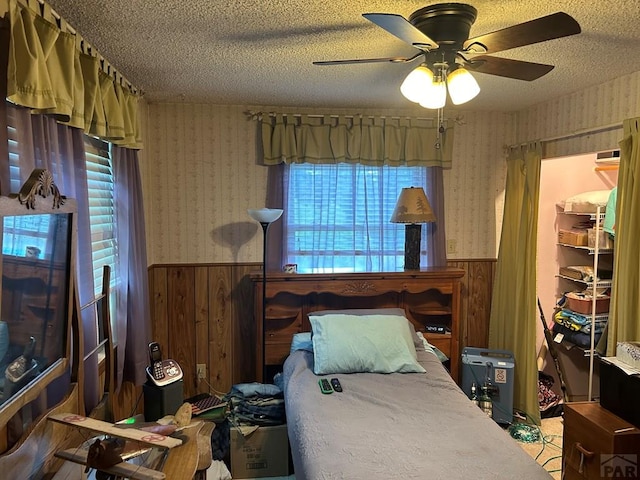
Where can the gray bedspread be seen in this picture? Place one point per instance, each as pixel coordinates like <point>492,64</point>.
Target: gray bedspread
<point>395,426</point>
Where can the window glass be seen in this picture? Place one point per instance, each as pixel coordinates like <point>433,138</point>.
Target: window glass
<point>338,216</point>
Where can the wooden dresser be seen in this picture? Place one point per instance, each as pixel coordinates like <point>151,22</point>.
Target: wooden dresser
<point>598,444</point>
<point>430,298</point>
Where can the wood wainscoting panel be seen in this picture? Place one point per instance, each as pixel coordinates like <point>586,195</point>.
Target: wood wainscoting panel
<point>203,313</point>
<point>181,322</point>
<point>244,330</point>
<point>216,344</point>
<point>477,289</point>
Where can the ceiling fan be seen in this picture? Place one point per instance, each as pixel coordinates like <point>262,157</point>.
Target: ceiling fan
<point>440,33</point>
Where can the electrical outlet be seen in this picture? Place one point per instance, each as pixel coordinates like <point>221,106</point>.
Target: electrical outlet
<point>452,245</point>
<point>201,371</point>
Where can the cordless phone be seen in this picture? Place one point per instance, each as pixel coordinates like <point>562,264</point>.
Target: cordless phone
<point>155,358</point>
<point>162,372</point>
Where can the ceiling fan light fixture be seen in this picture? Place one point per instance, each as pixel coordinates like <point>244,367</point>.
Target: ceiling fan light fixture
<point>435,94</point>
<point>462,86</point>
<point>416,84</point>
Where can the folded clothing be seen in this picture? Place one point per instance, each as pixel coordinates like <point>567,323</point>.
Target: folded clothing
<point>577,322</point>
<point>577,338</point>
<point>256,404</point>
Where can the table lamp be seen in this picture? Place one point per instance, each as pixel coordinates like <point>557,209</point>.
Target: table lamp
<point>412,209</point>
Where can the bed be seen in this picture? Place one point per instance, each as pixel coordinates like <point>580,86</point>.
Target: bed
<point>389,425</point>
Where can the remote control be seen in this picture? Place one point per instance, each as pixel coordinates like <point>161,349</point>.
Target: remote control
<point>335,383</point>
<point>325,386</point>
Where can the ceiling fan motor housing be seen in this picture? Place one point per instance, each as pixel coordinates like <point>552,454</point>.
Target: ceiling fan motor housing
<point>448,24</point>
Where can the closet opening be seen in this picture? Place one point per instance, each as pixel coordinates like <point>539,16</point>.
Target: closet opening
<point>576,237</point>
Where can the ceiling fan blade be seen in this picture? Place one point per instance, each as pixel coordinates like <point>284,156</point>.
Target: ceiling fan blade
<point>552,26</point>
<point>401,28</point>
<point>369,60</point>
<point>505,67</point>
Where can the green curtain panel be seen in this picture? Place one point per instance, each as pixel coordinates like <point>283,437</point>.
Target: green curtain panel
<point>49,74</point>
<point>623,324</point>
<point>512,324</point>
<point>364,140</point>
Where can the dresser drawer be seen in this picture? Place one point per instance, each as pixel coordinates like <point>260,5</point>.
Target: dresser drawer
<point>569,473</point>
<point>595,439</point>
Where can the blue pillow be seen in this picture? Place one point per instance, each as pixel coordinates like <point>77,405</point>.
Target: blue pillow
<point>363,343</point>
<point>301,341</point>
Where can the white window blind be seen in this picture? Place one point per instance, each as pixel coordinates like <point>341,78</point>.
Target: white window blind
<point>338,216</point>
<point>14,153</point>
<point>101,209</point>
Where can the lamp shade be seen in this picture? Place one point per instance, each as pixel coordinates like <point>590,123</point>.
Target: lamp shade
<point>435,94</point>
<point>265,215</point>
<point>412,207</point>
<point>462,86</point>
<point>415,86</point>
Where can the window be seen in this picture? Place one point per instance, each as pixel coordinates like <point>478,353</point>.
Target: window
<point>101,209</point>
<point>338,216</point>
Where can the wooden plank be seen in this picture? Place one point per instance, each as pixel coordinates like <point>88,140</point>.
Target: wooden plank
<point>159,302</point>
<point>181,322</point>
<point>124,469</point>
<point>479,308</point>
<point>220,328</point>
<point>244,328</point>
<point>202,316</point>
<point>91,424</point>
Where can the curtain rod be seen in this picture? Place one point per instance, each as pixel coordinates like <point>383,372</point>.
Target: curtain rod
<point>575,133</point>
<point>251,115</point>
<point>85,46</point>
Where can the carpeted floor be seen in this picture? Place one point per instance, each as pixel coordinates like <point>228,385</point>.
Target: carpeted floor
<point>547,449</point>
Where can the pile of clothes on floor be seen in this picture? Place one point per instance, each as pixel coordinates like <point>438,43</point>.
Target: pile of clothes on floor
<point>256,404</point>
<point>251,405</point>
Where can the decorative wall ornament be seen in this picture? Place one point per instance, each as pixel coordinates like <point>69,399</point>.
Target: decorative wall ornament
<point>40,182</point>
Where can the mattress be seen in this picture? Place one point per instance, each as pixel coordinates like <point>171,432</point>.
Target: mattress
<point>395,426</point>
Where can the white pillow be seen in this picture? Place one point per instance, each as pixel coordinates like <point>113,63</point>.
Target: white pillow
<point>362,343</point>
<point>396,311</point>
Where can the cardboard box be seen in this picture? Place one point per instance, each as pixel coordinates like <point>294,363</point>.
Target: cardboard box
<point>263,453</point>
<point>578,238</point>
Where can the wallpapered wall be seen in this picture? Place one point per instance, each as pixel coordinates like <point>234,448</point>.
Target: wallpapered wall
<point>200,173</point>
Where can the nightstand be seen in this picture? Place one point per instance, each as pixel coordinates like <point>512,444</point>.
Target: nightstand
<point>598,444</point>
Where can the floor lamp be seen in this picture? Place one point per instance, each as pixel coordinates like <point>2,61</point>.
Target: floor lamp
<point>265,216</point>
<point>412,209</point>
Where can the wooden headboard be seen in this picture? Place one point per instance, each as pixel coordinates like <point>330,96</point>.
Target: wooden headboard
<point>430,298</point>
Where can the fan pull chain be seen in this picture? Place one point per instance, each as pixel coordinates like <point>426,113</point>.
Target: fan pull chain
<point>440,121</point>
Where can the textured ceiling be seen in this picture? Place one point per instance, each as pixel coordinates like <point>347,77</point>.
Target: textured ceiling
<point>250,52</point>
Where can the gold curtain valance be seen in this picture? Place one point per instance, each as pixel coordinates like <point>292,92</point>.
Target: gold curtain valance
<point>366,140</point>
<point>49,73</point>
